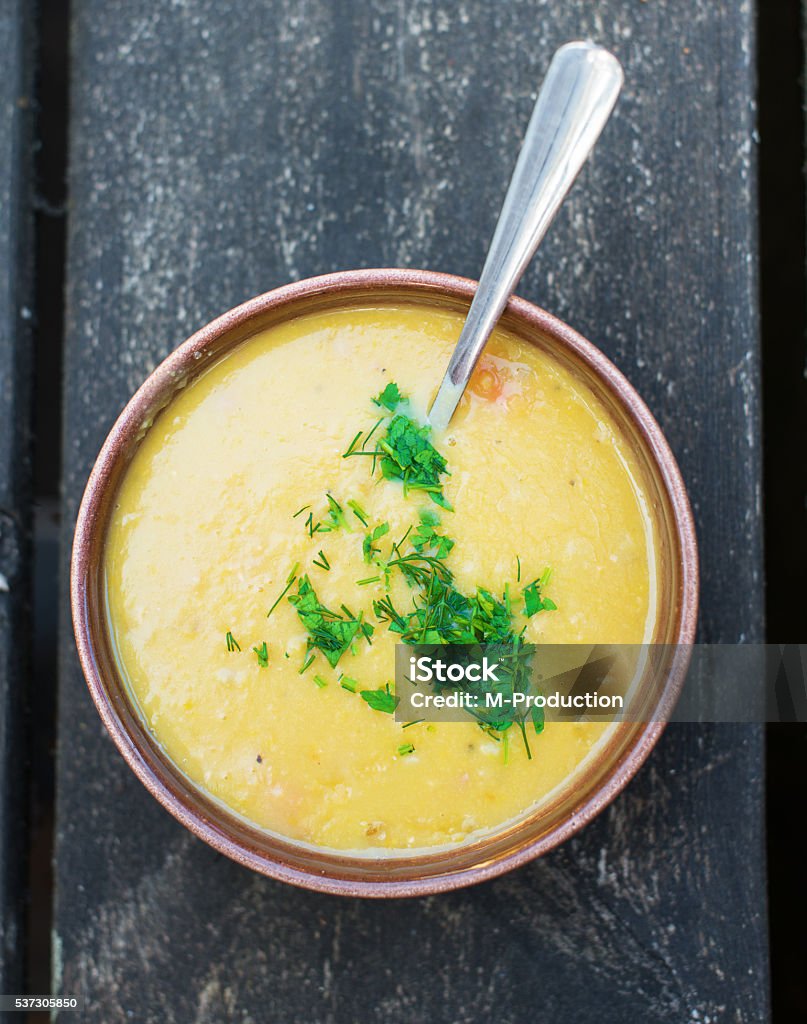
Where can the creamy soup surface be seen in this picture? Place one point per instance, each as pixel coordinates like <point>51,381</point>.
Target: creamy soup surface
<point>204,536</point>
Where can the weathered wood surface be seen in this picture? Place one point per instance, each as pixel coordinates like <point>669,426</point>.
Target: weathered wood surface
<point>15,375</point>
<point>218,151</point>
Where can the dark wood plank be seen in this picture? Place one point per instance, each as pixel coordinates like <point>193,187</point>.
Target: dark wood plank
<point>220,151</point>
<point>15,375</point>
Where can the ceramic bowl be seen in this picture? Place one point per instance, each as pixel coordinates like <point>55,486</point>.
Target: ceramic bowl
<point>603,775</point>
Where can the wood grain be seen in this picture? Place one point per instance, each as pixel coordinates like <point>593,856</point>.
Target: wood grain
<point>15,380</point>
<point>218,151</point>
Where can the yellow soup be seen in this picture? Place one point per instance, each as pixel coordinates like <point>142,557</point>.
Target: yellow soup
<point>204,538</point>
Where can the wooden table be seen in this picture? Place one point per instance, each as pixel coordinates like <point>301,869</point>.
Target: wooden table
<point>220,150</point>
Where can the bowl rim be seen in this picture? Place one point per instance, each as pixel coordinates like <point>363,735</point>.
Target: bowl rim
<point>129,425</point>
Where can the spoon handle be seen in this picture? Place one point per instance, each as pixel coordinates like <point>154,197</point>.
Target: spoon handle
<point>575,101</point>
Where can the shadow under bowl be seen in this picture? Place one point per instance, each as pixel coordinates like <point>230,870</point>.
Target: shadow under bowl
<point>602,776</point>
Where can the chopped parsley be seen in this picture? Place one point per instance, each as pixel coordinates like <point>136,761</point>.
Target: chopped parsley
<point>534,601</point>
<point>329,632</point>
<point>381,699</point>
<point>426,538</point>
<point>390,398</point>
<point>368,548</point>
<point>409,456</point>
<point>404,451</point>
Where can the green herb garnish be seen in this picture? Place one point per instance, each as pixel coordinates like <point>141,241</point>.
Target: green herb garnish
<point>426,538</point>
<point>336,516</point>
<point>381,699</point>
<point>368,548</point>
<point>263,655</point>
<point>359,513</point>
<point>409,456</point>
<point>405,451</point>
<point>390,398</point>
<point>534,601</point>
<point>353,449</point>
<point>290,579</point>
<point>438,613</point>
<point>328,631</point>
<point>232,643</point>
<point>323,562</point>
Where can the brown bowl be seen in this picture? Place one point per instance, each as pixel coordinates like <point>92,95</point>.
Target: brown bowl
<point>327,871</point>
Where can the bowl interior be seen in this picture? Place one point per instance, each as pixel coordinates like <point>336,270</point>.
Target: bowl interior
<point>601,777</point>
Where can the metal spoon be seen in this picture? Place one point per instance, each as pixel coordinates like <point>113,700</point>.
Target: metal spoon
<point>575,101</point>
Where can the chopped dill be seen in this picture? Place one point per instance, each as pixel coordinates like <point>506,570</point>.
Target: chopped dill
<point>323,562</point>
<point>336,515</point>
<point>289,581</point>
<point>359,513</point>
